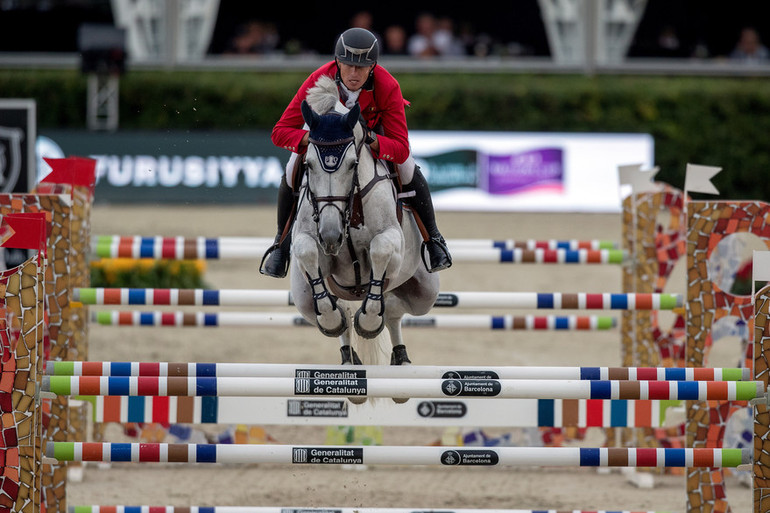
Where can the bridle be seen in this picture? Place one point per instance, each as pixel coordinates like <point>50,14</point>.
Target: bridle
<point>325,201</point>
<point>348,200</point>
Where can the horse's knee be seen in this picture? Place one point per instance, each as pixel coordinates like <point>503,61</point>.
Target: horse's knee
<point>304,250</point>
<point>385,249</point>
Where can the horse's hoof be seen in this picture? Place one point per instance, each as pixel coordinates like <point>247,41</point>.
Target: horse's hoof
<point>366,333</point>
<point>335,332</point>
<point>349,356</point>
<point>400,400</point>
<point>357,399</point>
<point>399,356</point>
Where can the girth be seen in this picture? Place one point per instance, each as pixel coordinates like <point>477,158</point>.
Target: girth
<point>350,292</point>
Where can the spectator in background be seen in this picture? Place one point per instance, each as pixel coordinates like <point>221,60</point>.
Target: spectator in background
<point>447,43</point>
<point>395,41</point>
<point>253,38</point>
<point>434,37</point>
<point>362,19</point>
<point>668,44</point>
<point>365,20</point>
<point>421,43</point>
<point>749,48</point>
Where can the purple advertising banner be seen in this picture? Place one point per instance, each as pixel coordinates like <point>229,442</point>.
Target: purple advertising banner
<point>540,169</point>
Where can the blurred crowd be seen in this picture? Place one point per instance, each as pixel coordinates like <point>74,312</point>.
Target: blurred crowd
<point>430,36</point>
<point>748,47</point>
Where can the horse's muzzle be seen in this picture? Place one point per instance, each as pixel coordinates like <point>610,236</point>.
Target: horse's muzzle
<point>330,242</point>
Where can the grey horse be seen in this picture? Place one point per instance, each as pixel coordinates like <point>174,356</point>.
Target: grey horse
<point>356,252</point>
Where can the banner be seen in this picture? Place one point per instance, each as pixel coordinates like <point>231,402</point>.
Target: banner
<point>465,170</point>
<point>17,145</point>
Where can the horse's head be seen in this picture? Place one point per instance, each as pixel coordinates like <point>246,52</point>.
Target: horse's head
<point>332,176</point>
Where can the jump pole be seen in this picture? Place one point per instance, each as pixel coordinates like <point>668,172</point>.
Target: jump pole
<point>464,254</point>
<point>280,370</point>
<point>115,246</point>
<point>397,455</point>
<point>503,413</point>
<point>402,388</point>
<point>181,319</point>
<point>253,297</point>
<point>248,509</point>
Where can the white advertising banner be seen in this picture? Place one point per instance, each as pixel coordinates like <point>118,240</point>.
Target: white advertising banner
<point>549,172</point>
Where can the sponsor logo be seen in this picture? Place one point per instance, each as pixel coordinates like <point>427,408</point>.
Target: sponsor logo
<point>446,299</point>
<point>312,510</point>
<point>330,386</point>
<point>469,457</point>
<point>471,387</point>
<point>327,455</point>
<point>442,409</point>
<point>10,157</point>
<point>540,169</point>
<point>301,386</point>
<point>418,321</point>
<point>188,171</point>
<point>329,374</point>
<point>474,374</point>
<point>331,161</point>
<point>316,408</point>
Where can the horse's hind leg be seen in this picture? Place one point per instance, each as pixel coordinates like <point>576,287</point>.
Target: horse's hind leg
<point>398,356</point>
<point>416,296</point>
<point>347,352</point>
<point>350,357</point>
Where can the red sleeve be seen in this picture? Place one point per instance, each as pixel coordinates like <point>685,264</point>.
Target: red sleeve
<point>288,131</point>
<point>394,144</point>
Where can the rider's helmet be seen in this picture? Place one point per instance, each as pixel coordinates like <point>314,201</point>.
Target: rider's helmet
<point>357,47</point>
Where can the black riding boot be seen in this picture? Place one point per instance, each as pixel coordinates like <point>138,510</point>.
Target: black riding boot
<point>275,262</point>
<point>421,202</point>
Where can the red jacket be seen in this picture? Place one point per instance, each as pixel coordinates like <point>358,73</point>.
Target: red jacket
<point>382,105</point>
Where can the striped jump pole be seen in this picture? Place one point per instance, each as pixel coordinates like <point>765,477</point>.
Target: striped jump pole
<point>401,388</point>
<point>397,455</point>
<point>503,413</point>
<point>469,254</point>
<point>288,370</point>
<point>177,248</point>
<point>181,319</point>
<point>310,509</point>
<point>253,297</point>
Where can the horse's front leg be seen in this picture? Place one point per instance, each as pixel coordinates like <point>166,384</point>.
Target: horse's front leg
<point>330,319</point>
<point>385,258</point>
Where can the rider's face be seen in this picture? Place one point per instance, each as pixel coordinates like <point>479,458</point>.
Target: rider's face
<point>354,77</point>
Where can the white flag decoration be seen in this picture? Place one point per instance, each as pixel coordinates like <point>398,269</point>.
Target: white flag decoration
<point>698,179</point>
<point>761,266</point>
<point>639,180</point>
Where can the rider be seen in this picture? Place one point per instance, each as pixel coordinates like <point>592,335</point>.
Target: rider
<point>359,79</point>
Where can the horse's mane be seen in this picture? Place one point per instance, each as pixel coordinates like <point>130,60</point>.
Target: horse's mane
<point>324,97</point>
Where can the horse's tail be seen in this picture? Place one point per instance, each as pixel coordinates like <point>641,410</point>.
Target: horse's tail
<point>372,351</point>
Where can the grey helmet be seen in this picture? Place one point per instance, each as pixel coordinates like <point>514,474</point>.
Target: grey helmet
<point>357,47</point>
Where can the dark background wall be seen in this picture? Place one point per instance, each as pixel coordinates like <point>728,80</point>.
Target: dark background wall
<point>51,26</point>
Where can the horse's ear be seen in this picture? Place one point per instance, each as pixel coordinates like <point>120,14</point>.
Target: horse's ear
<point>309,115</point>
<point>352,117</point>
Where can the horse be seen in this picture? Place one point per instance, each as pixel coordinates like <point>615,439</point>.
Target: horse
<point>353,243</point>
